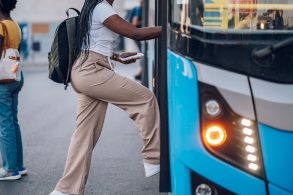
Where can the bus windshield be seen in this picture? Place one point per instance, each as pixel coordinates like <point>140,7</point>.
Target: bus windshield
<point>236,15</point>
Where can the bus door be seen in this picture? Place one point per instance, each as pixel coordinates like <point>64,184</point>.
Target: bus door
<point>155,64</point>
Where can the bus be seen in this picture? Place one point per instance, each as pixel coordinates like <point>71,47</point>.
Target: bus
<point>223,76</point>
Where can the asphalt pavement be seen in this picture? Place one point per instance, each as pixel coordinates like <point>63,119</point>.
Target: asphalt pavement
<point>47,118</point>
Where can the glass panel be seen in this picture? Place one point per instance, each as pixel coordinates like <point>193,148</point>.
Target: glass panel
<point>253,15</point>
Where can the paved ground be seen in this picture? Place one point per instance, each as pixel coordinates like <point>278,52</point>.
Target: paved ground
<point>47,114</point>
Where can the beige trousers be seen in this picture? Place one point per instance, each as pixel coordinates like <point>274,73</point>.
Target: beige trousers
<point>97,85</point>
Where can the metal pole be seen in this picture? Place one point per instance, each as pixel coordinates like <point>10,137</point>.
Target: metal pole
<point>162,93</point>
<point>145,22</point>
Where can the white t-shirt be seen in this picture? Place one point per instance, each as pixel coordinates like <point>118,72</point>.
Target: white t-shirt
<point>102,39</point>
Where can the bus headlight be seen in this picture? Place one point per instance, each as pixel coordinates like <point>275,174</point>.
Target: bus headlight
<point>227,135</point>
<point>215,135</point>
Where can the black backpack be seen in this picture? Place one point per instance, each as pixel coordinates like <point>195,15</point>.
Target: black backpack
<point>63,49</point>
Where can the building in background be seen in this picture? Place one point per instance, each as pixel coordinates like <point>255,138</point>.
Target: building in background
<point>39,20</point>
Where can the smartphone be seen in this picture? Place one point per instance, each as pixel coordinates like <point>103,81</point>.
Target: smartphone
<point>134,57</point>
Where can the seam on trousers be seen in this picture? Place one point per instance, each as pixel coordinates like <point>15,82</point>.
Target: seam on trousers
<point>89,155</point>
<point>82,186</point>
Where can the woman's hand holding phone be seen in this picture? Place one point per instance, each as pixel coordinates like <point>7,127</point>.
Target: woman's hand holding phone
<point>128,57</point>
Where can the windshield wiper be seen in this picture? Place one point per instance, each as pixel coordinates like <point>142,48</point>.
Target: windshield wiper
<point>261,53</point>
<point>265,57</point>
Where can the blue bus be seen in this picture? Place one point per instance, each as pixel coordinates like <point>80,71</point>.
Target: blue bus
<point>223,75</point>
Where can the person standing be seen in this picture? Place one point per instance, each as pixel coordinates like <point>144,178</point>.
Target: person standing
<point>96,84</point>
<point>10,134</point>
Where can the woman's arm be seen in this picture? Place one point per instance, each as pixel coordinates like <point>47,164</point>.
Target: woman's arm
<point>135,21</point>
<point>123,28</point>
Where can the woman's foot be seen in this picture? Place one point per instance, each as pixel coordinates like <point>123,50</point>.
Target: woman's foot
<point>55,192</point>
<point>7,175</point>
<point>151,169</point>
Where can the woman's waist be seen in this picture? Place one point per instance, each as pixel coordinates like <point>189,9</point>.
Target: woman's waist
<point>93,58</point>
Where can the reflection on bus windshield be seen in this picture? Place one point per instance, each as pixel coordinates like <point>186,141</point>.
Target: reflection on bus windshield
<point>234,14</point>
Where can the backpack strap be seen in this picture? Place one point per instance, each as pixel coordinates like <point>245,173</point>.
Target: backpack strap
<point>76,10</point>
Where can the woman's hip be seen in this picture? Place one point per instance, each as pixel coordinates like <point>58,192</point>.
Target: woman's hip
<point>91,70</point>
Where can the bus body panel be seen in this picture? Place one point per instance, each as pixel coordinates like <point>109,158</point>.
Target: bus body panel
<point>274,190</point>
<point>187,152</point>
<point>273,103</point>
<point>277,146</point>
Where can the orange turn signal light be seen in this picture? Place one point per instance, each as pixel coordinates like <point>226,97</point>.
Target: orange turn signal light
<point>215,136</point>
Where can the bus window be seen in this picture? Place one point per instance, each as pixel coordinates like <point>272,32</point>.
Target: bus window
<point>253,15</point>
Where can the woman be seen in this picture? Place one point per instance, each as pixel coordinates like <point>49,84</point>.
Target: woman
<point>97,85</point>
<point>10,135</point>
